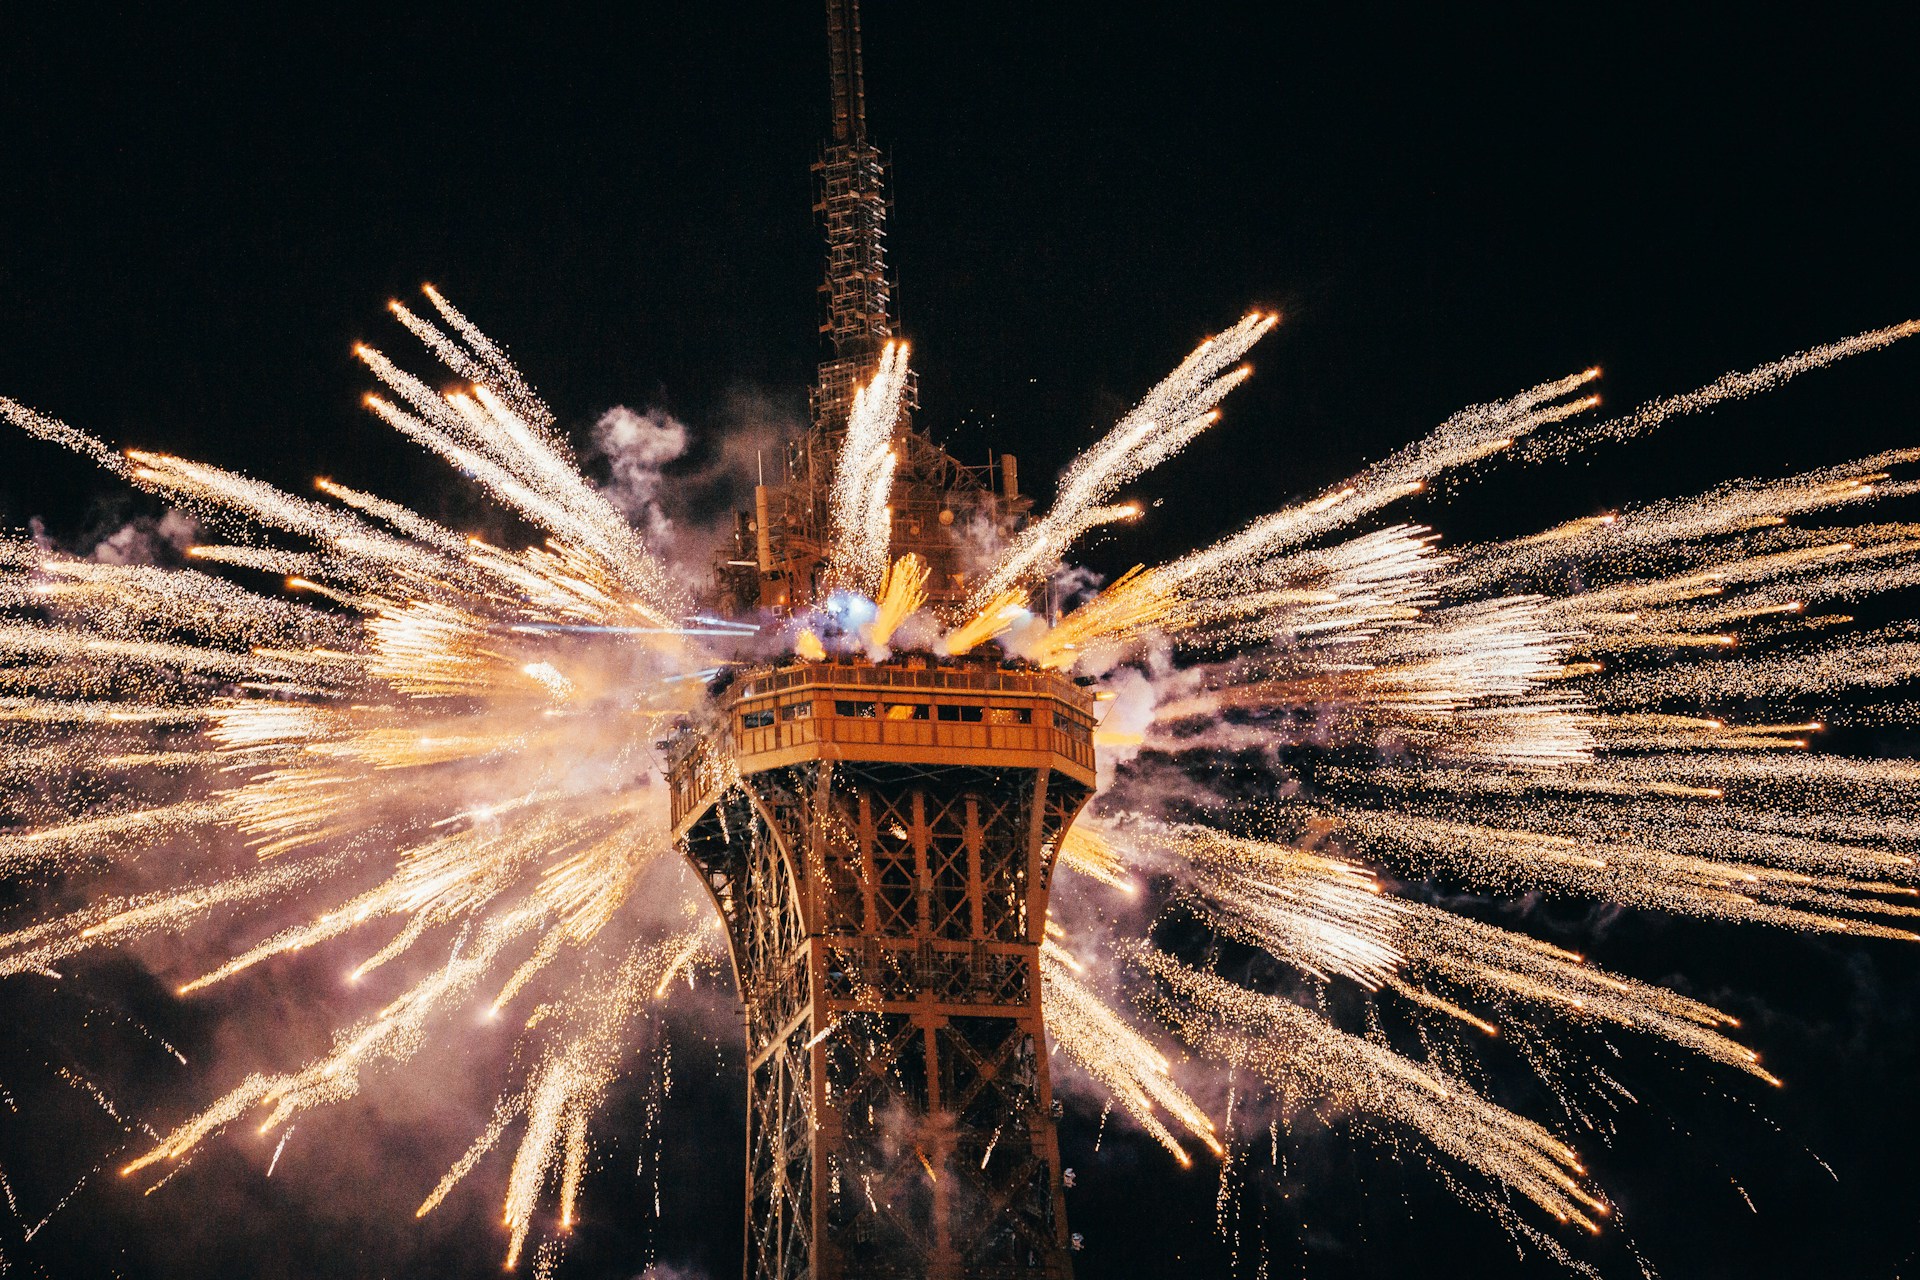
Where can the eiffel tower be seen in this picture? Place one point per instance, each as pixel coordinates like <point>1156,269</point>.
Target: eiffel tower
<point>880,839</point>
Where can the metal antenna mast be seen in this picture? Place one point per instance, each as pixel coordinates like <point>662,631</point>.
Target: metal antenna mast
<point>852,206</point>
<point>778,548</point>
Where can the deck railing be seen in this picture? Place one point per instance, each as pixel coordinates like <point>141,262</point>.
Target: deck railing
<point>920,709</point>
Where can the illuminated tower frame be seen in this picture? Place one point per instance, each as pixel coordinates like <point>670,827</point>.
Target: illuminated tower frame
<point>778,549</point>
<point>880,840</point>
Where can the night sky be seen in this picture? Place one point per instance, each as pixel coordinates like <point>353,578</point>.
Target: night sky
<point>201,211</point>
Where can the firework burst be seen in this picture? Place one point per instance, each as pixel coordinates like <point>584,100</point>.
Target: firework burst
<point>363,730</point>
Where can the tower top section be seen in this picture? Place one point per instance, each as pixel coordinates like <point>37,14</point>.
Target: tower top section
<point>851,202</point>
<point>775,558</point>
<point>849,77</point>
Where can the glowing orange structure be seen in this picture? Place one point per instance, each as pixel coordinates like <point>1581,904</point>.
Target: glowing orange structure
<point>881,839</point>
<point>778,549</point>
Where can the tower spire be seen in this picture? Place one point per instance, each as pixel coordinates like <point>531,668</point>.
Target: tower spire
<point>849,77</point>
<point>852,206</point>
<point>775,557</point>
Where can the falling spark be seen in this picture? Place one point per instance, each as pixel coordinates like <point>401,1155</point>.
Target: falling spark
<point>278,1147</point>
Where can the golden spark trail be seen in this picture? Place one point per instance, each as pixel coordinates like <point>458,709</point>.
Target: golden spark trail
<point>1091,854</point>
<point>990,621</point>
<point>1501,966</point>
<point>1467,437</point>
<point>860,518</point>
<point>1322,915</point>
<point>1732,386</point>
<point>1119,1057</point>
<point>1314,1065</point>
<point>1132,604</point>
<point>902,592</point>
<point>1634,874</point>
<point>436,761</point>
<point>1163,423</point>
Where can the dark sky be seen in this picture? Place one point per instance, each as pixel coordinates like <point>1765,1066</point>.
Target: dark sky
<point>201,210</point>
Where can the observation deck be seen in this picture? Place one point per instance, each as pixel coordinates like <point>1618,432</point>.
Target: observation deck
<point>910,711</point>
<point>880,839</point>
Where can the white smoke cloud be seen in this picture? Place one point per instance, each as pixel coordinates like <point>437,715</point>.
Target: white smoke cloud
<point>681,485</point>
<point>636,448</point>
<point>143,540</point>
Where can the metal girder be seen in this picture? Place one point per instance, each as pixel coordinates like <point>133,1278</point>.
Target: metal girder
<point>885,924</point>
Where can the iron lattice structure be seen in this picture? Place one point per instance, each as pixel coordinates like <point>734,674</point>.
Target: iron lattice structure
<point>880,840</point>
<point>775,557</point>
<point>851,202</point>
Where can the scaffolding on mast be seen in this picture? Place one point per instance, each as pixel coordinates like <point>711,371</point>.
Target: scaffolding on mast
<point>778,549</point>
